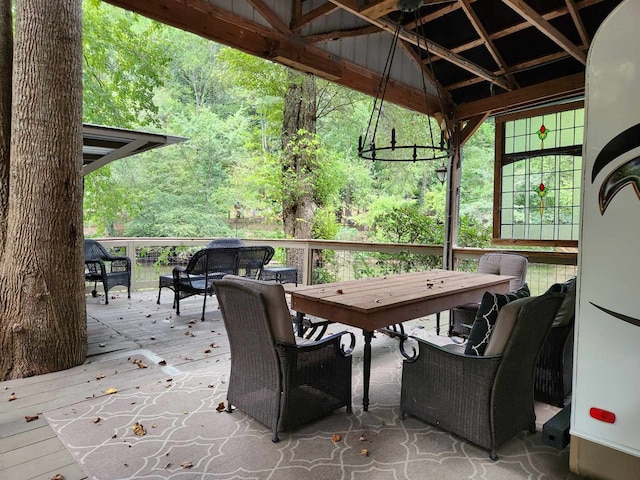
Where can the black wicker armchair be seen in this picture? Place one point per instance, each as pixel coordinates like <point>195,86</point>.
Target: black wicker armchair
<point>251,260</point>
<point>197,277</point>
<point>484,399</point>
<point>101,266</point>
<point>554,368</point>
<point>279,383</point>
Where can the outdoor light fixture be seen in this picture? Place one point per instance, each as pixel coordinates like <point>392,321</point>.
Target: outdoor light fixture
<point>428,147</point>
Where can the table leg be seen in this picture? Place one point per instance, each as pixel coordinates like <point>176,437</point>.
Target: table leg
<point>366,370</point>
<point>299,327</point>
<point>438,323</point>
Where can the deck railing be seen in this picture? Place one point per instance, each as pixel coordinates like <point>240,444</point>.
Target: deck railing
<point>328,260</point>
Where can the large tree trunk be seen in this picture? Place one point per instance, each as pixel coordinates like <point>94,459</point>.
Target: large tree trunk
<point>43,317</point>
<point>6,60</point>
<point>298,157</point>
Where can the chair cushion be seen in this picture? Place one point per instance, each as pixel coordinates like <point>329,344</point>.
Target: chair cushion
<point>487,316</point>
<point>504,326</point>
<point>505,264</point>
<point>567,311</point>
<point>276,304</point>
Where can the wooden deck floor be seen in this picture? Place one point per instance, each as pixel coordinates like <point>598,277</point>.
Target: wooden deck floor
<point>118,333</point>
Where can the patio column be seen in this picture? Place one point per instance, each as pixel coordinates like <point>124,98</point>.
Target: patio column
<point>452,210</point>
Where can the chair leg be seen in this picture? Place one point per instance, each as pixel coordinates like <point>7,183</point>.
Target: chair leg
<point>106,293</point>
<point>438,323</point>
<point>204,306</point>
<point>177,301</point>
<point>275,438</point>
<point>159,290</point>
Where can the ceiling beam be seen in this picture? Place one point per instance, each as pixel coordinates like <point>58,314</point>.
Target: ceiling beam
<point>379,8</point>
<point>565,87</point>
<point>433,47</point>
<point>577,20</point>
<point>533,17</point>
<point>313,15</point>
<point>209,21</point>
<point>482,33</point>
<point>270,16</point>
<point>338,34</point>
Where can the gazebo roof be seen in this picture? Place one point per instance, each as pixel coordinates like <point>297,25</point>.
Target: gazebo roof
<point>101,145</point>
<point>488,56</point>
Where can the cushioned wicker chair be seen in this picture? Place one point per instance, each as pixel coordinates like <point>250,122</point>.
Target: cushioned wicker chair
<point>484,399</point>
<point>101,266</point>
<point>203,268</point>
<point>554,368</point>
<point>461,318</point>
<point>279,383</point>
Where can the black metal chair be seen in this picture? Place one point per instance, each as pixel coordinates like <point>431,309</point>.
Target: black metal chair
<point>101,266</point>
<point>277,382</point>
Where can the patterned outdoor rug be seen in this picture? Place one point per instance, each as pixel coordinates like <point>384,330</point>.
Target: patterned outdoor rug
<point>186,438</point>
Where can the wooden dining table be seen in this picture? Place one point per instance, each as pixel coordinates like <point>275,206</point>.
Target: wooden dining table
<point>378,302</point>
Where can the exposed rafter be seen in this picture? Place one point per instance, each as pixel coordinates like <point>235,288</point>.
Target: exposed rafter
<point>533,17</point>
<point>482,52</point>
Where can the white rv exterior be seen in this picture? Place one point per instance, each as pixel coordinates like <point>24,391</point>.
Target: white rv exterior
<point>606,441</point>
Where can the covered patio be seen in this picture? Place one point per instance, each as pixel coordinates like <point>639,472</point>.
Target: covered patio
<point>170,373</point>
<point>490,57</point>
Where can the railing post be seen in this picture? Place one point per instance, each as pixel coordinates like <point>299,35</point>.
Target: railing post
<point>307,269</point>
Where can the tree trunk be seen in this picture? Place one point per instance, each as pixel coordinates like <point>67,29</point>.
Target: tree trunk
<point>43,316</point>
<point>6,59</point>
<point>298,157</point>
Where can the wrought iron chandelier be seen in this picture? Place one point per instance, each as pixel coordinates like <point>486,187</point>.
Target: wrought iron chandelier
<point>431,148</point>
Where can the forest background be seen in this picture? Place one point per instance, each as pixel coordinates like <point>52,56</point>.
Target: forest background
<point>231,178</point>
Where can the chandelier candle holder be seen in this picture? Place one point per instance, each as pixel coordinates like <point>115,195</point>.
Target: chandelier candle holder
<point>431,146</point>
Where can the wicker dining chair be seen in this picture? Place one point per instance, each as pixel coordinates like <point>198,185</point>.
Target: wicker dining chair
<point>461,317</point>
<point>101,266</point>
<point>274,380</point>
<point>485,399</point>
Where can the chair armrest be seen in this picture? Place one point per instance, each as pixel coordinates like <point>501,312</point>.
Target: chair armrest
<point>120,264</point>
<point>335,339</point>
<point>437,357</point>
<point>96,266</point>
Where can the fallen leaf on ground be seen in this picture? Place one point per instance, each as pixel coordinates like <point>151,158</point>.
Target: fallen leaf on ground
<point>187,464</point>
<point>169,380</point>
<point>362,438</point>
<point>221,407</point>
<point>208,350</point>
<point>31,418</point>
<point>111,391</point>
<point>58,476</point>
<point>138,429</point>
<point>162,362</point>
<point>168,465</point>
<point>364,452</point>
<point>138,362</point>
<point>12,397</point>
<point>102,344</point>
<point>99,376</point>
<point>96,420</point>
<point>335,437</point>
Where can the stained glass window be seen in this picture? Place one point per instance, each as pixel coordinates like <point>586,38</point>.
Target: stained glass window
<point>538,167</point>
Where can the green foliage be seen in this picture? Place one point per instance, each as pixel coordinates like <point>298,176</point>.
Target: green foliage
<point>408,223</point>
<point>473,234</point>
<point>124,62</point>
<point>325,225</point>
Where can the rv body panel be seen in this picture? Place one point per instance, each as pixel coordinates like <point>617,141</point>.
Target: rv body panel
<point>607,343</point>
